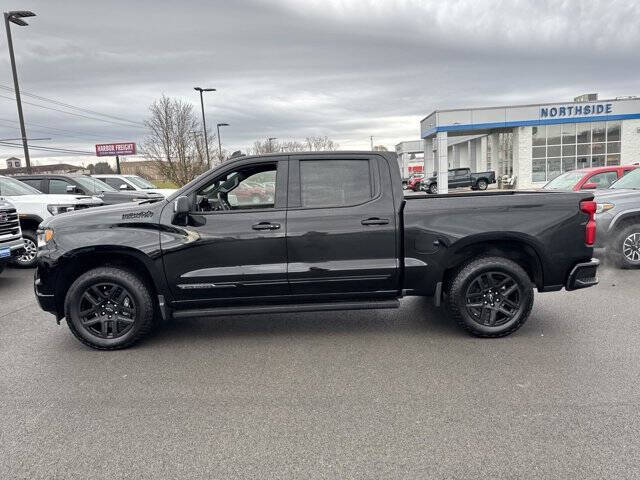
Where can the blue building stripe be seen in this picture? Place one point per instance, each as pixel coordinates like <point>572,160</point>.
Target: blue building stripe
<point>527,123</point>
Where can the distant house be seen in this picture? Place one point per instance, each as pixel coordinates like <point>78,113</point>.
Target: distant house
<point>14,168</point>
<point>144,168</point>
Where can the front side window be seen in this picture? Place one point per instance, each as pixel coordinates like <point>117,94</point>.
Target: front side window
<point>248,188</point>
<point>12,187</point>
<point>92,185</point>
<point>59,187</point>
<point>140,182</point>
<point>325,183</point>
<point>604,179</point>
<point>631,180</point>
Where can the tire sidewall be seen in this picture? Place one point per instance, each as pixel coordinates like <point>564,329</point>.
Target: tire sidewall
<point>137,290</point>
<point>433,188</point>
<point>459,290</point>
<point>622,260</point>
<point>482,185</point>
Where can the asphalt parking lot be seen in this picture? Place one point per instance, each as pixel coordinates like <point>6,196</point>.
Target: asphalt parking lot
<point>366,394</point>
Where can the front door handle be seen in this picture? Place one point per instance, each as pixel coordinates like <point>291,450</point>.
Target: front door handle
<point>375,221</point>
<point>266,226</point>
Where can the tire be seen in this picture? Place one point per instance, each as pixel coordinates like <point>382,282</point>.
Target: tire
<point>473,308</point>
<point>626,247</point>
<point>433,189</point>
<point>29,257</point>
<point>130,294</point>
<point>482,184</point>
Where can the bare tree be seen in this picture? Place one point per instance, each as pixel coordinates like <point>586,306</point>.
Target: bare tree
<point>380,148</point>
<point>320,144</point>
<point>175,143</point>
<point>311,144</point>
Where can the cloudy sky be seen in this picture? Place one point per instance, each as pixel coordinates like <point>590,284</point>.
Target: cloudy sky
<point>291,68</point>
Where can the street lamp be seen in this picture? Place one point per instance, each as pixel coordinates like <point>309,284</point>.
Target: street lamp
<point>220,141</point>
<point>204,123</point>
<point>16,17</point>
<point>270,140</point>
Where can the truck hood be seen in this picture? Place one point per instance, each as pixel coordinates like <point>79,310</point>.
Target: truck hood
<point>108,214</point>
<point>54,199</point>
<point>611,194</point>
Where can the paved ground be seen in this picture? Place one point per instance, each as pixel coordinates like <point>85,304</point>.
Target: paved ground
<point>399,394</point>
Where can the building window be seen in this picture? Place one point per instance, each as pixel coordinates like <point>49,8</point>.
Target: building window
<point>560,148</point>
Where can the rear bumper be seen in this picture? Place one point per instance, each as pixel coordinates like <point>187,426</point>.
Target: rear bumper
<point>583,275</point>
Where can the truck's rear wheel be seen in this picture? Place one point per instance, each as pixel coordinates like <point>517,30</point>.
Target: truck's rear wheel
<point>109,308</point>
<point>29,256</point>
<point>490,296</point>
<point>626,247</point>
<point>433,188</point>
<point>482,184</point>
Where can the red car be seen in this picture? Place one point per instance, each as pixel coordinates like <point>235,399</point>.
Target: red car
<point>414,182</point>
<point>589,178</point>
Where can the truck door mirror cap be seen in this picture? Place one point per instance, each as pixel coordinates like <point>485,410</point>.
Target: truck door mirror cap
<point>124,186</point>
<point>181,205</point>
<point>590,186</point>
<point>71,189</point>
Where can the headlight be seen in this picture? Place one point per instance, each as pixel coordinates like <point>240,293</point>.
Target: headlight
<point>604,207</point>
<point>56,209</point>
<point>44,236</point>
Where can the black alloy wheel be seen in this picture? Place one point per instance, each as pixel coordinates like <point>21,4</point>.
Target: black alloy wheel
<point>107,310</point>
<point>493,299</point>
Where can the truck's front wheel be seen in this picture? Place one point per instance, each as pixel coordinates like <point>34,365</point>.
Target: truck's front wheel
<point>626,247</point>
<point>109,308</point>
<point>433,188</point>
<point>29,257</point>
<point>490,296</point>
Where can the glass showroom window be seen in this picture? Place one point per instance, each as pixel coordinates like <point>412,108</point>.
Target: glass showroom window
<point>560,148</point>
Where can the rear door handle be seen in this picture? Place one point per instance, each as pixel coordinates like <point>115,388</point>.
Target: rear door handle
<point>266,226</point>
<point>375,221</point>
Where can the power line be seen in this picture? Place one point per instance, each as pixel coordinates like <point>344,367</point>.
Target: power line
<point>68,105</point>
<point>47,129</point>
<point>75,114</point>
<point>49,149</point>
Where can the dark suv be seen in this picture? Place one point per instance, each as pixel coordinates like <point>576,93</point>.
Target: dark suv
<point>84,185</point>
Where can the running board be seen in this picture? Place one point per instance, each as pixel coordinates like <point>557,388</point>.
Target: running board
<point>300,307</point>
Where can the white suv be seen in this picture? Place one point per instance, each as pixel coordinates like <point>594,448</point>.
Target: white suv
<point>33,207</point>
<point>132,182</point>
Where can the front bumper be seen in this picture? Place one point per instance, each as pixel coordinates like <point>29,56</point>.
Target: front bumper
<point>583,275</point>
<point>46,301</point>
<point>16,247</point>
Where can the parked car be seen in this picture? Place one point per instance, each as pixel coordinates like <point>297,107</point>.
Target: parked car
<point>459,178</point>
<point>618,220</point>
<point>414,181</point>
<point>33,207</point>
<point>67,183</point>
<point>330,241</point>
<point>11,243</point>
<point>589,178</point>
<point>132,183</point>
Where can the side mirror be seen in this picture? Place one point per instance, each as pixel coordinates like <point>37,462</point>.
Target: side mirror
<point>589,186</point>
<point>124,186</point>
<point>71,189</point>
<point>181,207</point>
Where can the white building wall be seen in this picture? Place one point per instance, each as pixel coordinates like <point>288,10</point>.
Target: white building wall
<point>522,161</point>
<point>630,147</point>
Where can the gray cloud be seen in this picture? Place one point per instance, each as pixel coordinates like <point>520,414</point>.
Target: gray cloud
<point>292,68</point>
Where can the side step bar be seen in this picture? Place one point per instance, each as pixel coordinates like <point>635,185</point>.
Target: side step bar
<point>300,307</point>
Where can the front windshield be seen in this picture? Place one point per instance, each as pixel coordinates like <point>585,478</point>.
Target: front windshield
<point>630,180</point>
<point>93,185</point>
<point>566,181</point>
<point>11,186</point>
<point>140,182</point>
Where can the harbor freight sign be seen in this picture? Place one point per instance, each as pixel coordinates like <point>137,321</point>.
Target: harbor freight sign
<point>113,149</point>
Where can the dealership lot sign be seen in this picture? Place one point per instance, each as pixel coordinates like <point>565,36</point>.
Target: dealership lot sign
<point>569,111</point>
<point>113,149</point>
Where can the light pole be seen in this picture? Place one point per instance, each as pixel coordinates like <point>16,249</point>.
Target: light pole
<point>371,138</point>
<point>271,139</point>
<point>204,122</point>
<point>220,141</point>
<point>16,17</point>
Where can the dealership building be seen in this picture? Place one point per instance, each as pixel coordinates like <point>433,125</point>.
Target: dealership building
<point>532,144</point>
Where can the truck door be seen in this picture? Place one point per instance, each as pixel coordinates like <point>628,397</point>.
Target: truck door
<point>233,247</point>
<point>341,227</point>
<point>461,178</point>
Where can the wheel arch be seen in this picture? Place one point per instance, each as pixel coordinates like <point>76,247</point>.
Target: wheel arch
<point>515,247</point>
<point>80,261</point>
<point>29,222</point>
<point>623,219</point>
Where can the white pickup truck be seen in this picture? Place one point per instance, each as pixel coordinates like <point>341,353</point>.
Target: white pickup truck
<point>10,235</point>
<point>33,207</point>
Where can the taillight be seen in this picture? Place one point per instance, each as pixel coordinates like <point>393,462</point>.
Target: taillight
<point>589,207</point>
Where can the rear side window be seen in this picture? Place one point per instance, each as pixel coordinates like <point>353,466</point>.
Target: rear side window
<point>34,183</point>
<point>325,183</point>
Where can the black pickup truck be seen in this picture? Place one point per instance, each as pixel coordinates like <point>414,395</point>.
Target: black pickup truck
<point>325,241</point>
<point>459,178</point>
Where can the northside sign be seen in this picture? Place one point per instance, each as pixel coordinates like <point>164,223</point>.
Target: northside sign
<point>568,111</point>
<point>113,149</point>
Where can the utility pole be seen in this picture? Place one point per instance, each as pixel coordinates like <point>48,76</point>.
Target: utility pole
<point>371,138</point>
<point>204,122</point>
<point>220,141</point>
<point>118,165</point>
<point>16,17</point>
